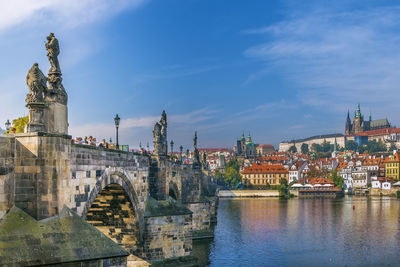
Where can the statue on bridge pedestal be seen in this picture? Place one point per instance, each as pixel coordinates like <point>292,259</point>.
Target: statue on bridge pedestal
<point>196,158</point>
<point>35,100</point>
<point>57,92</point>
<point>160,136</point>
<point>53,50</point>
<point>37,84</point>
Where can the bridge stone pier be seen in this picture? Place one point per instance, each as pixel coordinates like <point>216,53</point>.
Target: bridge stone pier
<point>150,205</point>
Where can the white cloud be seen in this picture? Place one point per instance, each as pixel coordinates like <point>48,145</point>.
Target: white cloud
<point>337,59</point>
<point>59,13</point>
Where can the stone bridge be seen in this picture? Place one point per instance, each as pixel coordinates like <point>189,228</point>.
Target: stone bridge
<point>149,204</point>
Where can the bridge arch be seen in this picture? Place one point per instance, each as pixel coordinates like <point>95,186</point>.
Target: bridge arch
<point>113,208</point>
<point>173,191</point>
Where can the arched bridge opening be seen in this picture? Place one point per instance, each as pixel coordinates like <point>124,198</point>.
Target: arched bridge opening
<point>112,213</point>
<point>112,208</point>
<point>173,192</point>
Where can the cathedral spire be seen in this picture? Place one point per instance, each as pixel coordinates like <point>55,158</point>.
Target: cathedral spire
<point>358,114</point>
<point>348,123</point>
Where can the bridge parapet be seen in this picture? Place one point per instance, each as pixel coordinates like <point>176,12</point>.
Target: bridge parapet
<point>7,146</point>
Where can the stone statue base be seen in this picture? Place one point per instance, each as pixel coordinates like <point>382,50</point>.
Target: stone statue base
<point>38,112</point>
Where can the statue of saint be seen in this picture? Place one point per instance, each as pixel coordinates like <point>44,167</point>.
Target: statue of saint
<point>36,82</point>
<point>195,140</point>
<point>163,123</point>
<point>157,133</point>
<point>53,50</point>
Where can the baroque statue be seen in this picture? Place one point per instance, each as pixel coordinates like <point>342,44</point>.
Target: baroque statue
<point>36,82</point>
<point>195,140</point>
<point>157,133</point>
<point>53,50</point>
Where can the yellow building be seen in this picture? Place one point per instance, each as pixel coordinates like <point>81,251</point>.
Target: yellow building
<point>263,174</point>
<point>392,166</point>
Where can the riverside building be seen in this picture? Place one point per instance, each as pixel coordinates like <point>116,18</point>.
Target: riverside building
<point>264,174</point>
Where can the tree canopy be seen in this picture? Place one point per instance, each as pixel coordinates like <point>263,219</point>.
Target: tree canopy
<point>19,124</point>
<point>337,179</point>
<point>351,145</point>
<point>231,177</point>
<point>304,148</point>
<point>293,149</point>
<point>372,147</point>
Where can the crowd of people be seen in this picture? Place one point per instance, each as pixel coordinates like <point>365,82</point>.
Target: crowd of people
<point>93,142</point>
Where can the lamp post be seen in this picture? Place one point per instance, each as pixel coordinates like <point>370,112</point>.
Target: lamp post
<point>181,148</point>
<point>117,120</point>
<point>8,124</point>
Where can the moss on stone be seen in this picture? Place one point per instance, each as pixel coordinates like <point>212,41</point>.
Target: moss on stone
<point>60,239</point>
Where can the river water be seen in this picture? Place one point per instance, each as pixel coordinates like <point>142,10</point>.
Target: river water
<point>304,232</point>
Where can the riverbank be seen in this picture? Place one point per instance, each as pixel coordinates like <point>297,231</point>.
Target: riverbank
<point>247,193</point>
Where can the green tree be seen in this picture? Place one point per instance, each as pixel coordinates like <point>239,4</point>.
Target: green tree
<point>337,179</point>
<point>316,147</point>
<point>233,163</point>
<point>304,148</point>
<point>293,149</point>
<point>326,147</point>
<point>19,124</point>
<point>231,177</point>
<point>283,187</point>
<point>373,146</point>
<point>392,147</point>
<point>351,145</point>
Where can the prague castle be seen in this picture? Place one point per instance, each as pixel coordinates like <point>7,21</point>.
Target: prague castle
<point>360,125</point>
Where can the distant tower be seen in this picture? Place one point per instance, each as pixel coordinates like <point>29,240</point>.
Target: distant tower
<point>348,124</point>
<point>358,121</point>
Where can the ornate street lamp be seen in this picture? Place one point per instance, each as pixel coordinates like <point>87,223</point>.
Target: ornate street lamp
<point>181,148</point>
<point>172,146</point>
<point>8,125</point>
<point>117,120</point>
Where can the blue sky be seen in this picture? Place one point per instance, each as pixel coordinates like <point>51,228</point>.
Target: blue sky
<point>277,69</point>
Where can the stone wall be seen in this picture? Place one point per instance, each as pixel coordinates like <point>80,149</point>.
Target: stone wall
<point>6,174</point>
<point>384,192</point>
<point>201,215</point>
<point>284,146</point>
<point>248,193</point>
<point>42,173</point>
<point>89,165</point>
<point>168,236</point>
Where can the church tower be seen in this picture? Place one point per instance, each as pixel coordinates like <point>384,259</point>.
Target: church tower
<point>358,121</point>
<point>348,124</point>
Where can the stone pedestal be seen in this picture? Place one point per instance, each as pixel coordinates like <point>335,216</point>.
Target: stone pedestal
<point>38,113</point>
<point>57,99</point>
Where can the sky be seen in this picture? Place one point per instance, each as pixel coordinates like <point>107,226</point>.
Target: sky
<point>278,70</point>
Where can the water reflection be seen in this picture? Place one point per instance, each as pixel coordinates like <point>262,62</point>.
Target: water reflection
<point>304,232</point>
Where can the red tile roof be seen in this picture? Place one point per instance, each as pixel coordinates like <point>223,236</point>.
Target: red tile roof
<point>385,131</point>
<point>320,181</point>
<point>264,168</point>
